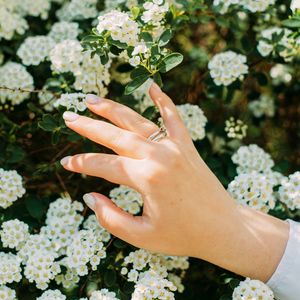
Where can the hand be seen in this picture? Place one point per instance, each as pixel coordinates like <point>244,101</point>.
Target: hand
<point>186,209</point>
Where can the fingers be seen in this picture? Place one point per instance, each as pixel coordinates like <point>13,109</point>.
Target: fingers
<point>123,142</point>
<point>115,220</point>
<point>169,113</point>
<point>116,169</point>
<point>120,115</point>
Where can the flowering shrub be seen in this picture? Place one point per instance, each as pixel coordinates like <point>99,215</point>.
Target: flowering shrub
<point>232,68</point>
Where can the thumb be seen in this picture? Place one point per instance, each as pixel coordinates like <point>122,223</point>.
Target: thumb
<point>118,222</point>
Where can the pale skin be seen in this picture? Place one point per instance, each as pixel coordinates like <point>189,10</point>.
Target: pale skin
<point>186,210</point>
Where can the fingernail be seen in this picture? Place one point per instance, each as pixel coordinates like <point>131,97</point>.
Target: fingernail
<point>156,87</point>
<point>92,99</point>
<point>69,116</point>
<point>65,160</point>
<point>89,201</point>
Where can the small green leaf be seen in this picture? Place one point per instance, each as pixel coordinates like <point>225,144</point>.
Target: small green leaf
<point>139,71</point>
<point>292,23</point>
<point>135,11</point>
<point>48,123</point>
<point>165,38</point>
<point>110,277</point>
<point>157,79</point>
<point>136,83</point>
<point>146,36</point>
<point>170,61</point>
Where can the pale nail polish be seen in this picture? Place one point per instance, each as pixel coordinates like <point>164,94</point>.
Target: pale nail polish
<point>89,201</point>
<point>65,160</point>
<point>70,116</point>
<point>92,99</point>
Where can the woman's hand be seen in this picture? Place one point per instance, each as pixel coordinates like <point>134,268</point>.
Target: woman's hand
<point>186,209</point>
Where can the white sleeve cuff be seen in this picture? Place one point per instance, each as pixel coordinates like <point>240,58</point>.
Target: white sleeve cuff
<point>285,281</point>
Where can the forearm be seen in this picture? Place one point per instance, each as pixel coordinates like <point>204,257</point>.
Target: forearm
<point>246,242</point>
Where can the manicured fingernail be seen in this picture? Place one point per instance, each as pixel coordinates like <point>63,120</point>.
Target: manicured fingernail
<point>69,116</point>
<point>89,200</point>
<point>156,87</point>
<point>65,160</point>
<point>92,99</point>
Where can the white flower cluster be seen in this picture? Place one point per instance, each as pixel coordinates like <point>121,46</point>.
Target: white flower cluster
<point>251,5</point>
<point>35,50</point>
<point>52,295</point>
<point>63,30</point>
<point>14,233</point>
<point>91,223</point>
<point>193,119</point>
<point>155,11</point>
<point>66,56</point>
<point>10,269</point>
<point>62,222</point>
<point>266,46</point>
<point>252,158</point>
<point>85,248</point>
<point>14,76</point>
<point>41,269</point>
<point>120,26</point>
<point>281,74</point>
<point>73,101</point>
<point>139,53</point>
<point>227,67</point>
<point>149,272</point>
<point>264,106</point>
<point>151,285</point>
<point>236,129</point>
<point>47,99</point>
<point>90,75</point>
<point>289,191</point>
<point>11,187</point>
<point>78,10</point>
<point>127,199</point>
<point>252,290</point>
<point>253,189</point>
<point>6,293</point>
<point>103,294</point>
<point>295,4</point>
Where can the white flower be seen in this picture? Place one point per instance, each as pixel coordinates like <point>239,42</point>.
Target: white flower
<point>78,10</point>
<point>120,26</point>
<point>35,50</point>
<point>252,158</point>
<point>63,30</point>
<point>127,199</point>
<point>14,76</point>
<point>267,46</point>
<point>253,189</point>
<point>10,269</point>
<point>289,192</point>
<point>227,67</point>
<point>252,290</point>
<point>103,294</point>
<point>14,233</point>
<point>47,99</point>
<point>66,56</point>
<point>91,223</point>
<point>68,279</point>
<point>154,12</point>
<point>295,4</point>
<point>73,101</point>
<point>6,293</point>
<point>193,119</point>
<point>11,187</point>
<point>281,74</point>
<point>236,129</point>
<point>251,5</point>
<point>52,295</point>
<point>264,106</point>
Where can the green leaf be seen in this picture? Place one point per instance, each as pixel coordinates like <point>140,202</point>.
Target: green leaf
<point>170,61</point>
<point>135,84</point>
<point>292,23</point>
<point>146,36</point>
<point>48,123</point>
<point>104,59</point>
<point>150,112</point>
<point>135,11</point>
<point>55,137</point>
<point>110,277</point>
<point>157,79</point>
<point>139,71</point>
<point>165,38</point>
<point>35,207</point>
